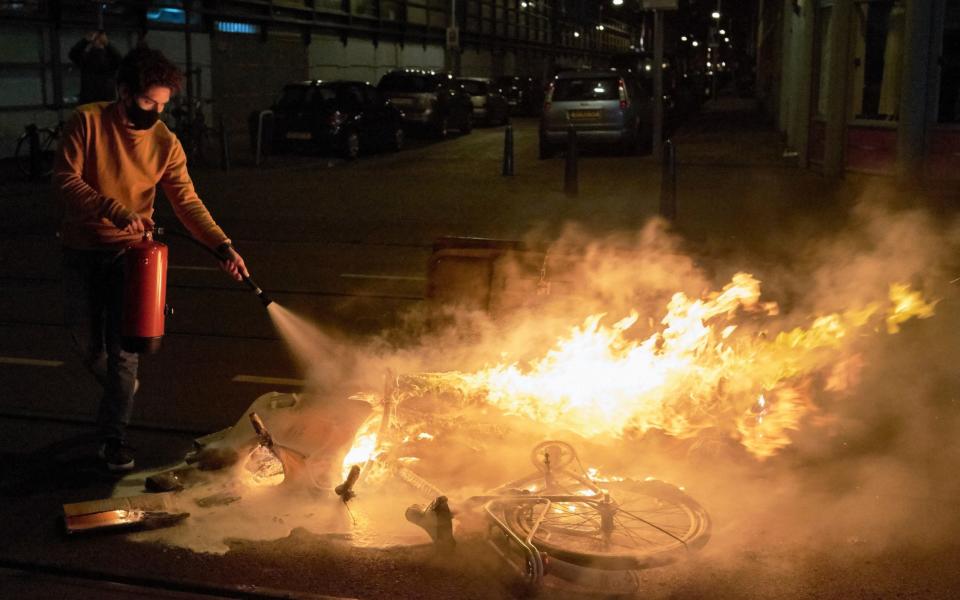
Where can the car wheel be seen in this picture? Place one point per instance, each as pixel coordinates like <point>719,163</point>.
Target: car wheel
<point>351,145</point>
<point>398,140</point>
<point>441,129</point>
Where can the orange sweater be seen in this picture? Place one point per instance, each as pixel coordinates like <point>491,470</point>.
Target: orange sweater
<point>105,170</point>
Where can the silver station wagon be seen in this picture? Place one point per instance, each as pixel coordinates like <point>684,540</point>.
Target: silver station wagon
<point>605,108</point>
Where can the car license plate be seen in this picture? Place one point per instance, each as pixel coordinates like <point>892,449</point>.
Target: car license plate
<point>299,135</point>
<point>583,115</point>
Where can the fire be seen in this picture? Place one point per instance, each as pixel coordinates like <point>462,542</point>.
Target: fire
<point>365,446</point>
<point>708,366</point>
<point>712,364</point>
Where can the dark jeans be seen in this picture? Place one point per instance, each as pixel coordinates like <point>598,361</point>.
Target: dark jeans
<point>93,297</point>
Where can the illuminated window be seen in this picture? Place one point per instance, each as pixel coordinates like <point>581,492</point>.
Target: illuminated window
<point>166,14</point>
<point>878,59</point>
<point>236,27</point>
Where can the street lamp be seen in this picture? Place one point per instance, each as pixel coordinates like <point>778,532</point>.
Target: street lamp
<point>683,38</point>
<point>723,32</point>
<point>694,43</point>
<point>716,15</point>
<point>618,2</point>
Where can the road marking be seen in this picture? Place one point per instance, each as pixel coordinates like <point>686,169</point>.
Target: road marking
<point>30,362</point>
<point>270,380</point>
<point>388,277</point>
<point>192,268</point>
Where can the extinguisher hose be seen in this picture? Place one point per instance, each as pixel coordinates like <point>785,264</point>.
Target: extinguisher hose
<point>222,257</point>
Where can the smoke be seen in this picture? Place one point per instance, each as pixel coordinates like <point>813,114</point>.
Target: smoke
<point>868,471</point>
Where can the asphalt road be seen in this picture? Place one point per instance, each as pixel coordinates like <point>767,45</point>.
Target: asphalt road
<point>346,246</point>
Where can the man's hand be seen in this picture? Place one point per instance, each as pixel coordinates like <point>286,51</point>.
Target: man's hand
<point>233,265</point>
<point>134,223</point>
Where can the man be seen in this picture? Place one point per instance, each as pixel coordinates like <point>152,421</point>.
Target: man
<point>110,160</point>
<point>98,62</point>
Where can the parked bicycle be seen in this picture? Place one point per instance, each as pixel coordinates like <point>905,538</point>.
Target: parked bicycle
<point>36,149</point>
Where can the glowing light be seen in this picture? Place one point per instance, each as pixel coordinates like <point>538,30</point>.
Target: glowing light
<point>694,43</point>
<point>715,14</point>
<point>723,32</point>
<point>683,38</point>
<point>576,34</point>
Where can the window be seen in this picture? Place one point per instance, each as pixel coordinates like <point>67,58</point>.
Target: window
<point>949,102</point>
<point>236,27</point>
<point>586,89</point>
<point>878,31</point>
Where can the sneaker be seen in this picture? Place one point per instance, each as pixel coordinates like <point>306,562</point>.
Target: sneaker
<point>116,455</point>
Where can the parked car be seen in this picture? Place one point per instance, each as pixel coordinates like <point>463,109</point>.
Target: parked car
<point>489,105</point>
<point>432,101</point>
<point>604,108</point>
<point>524,94</point>
<point>348,117</point>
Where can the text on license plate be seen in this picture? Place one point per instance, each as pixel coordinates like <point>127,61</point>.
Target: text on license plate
<point>582,115</point>
<point>299,135</point>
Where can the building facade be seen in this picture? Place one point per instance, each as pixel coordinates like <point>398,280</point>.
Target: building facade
<point>864,85</point>
<point>241,52</point>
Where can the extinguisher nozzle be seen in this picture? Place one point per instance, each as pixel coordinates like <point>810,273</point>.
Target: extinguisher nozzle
<point>267,301</point>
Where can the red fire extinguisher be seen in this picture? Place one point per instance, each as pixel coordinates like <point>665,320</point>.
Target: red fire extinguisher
<point>144,295</point>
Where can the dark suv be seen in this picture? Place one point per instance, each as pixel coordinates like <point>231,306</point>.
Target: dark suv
<point>434,101</point>
<point>344,116</point>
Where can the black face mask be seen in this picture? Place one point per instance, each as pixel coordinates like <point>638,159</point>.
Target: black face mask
<point>141,119</point>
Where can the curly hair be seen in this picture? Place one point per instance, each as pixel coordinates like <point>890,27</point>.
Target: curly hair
<point>143,68</point>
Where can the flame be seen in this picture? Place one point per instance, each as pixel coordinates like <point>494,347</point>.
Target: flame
<point>366,446</point>
<point>907,305</point>
<point>710,365</point>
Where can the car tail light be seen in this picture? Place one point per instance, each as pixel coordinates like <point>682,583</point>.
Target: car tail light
<point>624,103</point>
<point>549,98</point>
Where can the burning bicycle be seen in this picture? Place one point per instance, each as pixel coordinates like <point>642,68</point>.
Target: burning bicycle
<point>559,518</point>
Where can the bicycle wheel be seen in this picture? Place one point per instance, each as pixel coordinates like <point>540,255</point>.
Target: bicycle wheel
<point>47,140</point>
<point>638,525</point>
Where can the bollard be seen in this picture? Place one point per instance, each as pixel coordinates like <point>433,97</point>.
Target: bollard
<point>570,185</point>
<point>668,182</point>
<point>224,147</point>
<point>260,117</point>
<point>33,135</point>
<point>508,150</point>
